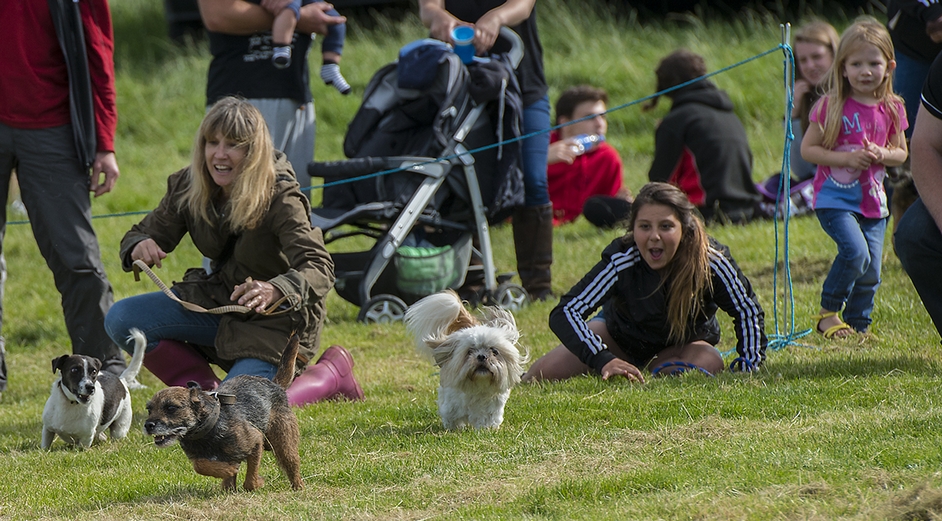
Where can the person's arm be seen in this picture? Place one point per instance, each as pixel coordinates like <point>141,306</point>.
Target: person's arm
<point>438,20</point>
<point>568,319</point>
<point>926,144</point>
<point>733,293</point>
<point>668,150</point>
<point>486,28</point>
<point>99,43</point>
<point>508,14</point>
<point>814,151</point>
<point>311,274</point>
<point>894,154</point>
<point>239,17</point>
<point>561,151</point>
<point>930,13</point>
<point>165,227</point>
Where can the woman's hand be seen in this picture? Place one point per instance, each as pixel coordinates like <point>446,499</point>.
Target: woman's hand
<point>148,252</point>
<point>561,151</point>
<point>439,21</point>
<point>802,87</point>
<point>486,30</point>
<point>623,368</point>
<point>255,294</point>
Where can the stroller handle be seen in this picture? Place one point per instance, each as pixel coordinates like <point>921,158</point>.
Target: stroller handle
<point>516,45</point>
<point>347,168</point>
<point>358,166</point>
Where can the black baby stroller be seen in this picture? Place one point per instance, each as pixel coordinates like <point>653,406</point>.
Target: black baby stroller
<point>421,207</point>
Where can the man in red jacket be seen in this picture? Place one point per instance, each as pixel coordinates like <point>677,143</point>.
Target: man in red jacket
<point>38,140</point>
<point>585,178</point>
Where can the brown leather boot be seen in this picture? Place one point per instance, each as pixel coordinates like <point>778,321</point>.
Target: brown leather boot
<point>331,377</point>
<point>533,242</point>
<point>176,363</point>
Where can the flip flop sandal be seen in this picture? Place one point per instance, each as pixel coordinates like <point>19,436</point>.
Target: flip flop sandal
<point>831,332</point>
<point>676,367</point>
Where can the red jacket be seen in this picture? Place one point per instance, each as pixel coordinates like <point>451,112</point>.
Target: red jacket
<point>597,172</point>
<point>34,86</point>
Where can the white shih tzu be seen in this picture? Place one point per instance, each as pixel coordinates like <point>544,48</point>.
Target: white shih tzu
<point>479,361</point>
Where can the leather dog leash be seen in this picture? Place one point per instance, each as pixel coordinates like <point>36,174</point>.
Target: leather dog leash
<point>140,266</point>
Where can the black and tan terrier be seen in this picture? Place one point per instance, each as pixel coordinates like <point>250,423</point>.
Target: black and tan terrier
<point>221,429</point>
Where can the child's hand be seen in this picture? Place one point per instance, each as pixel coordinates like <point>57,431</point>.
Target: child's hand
<point>561,151</point>
<point>877,152</point>
<point>623,368</point>
<point>859,159</point>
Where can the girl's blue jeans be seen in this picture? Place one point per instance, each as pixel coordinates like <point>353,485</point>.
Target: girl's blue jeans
<point>159,317</point>
<point>536,118</point>
<point>852,282</point>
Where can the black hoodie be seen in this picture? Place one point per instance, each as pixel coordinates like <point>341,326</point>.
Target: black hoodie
<point>701,147</point>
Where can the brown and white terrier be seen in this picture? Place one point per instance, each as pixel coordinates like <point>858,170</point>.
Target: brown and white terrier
<point>219,430</point>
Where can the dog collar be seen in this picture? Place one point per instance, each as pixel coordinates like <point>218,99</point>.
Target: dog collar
<point>225,399</point>
<point>203,428</point>
<point>207,425</point>
<point>68,395</point>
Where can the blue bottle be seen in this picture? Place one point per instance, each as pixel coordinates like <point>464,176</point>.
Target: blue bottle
<point>585,142</point>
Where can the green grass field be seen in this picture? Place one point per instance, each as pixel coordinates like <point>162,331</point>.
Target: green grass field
<point>827,430</point>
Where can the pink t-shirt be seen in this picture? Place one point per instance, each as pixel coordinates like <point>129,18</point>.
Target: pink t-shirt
<point>859,191</point>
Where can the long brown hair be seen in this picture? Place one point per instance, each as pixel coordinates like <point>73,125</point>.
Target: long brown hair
<point>237,120</point>
<point>821,33</point>
<point>688,273</point>
<point>866,30</point>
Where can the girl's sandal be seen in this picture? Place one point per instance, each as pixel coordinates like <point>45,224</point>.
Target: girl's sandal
<point>831,332</point>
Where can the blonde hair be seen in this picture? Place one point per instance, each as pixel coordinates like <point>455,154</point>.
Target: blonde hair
<point>236,120</point>
<point>688,273</point>
<point>865,31</point>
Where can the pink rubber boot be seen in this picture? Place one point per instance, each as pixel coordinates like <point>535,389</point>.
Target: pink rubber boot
<point>176,363</point>
<point>330,378</point>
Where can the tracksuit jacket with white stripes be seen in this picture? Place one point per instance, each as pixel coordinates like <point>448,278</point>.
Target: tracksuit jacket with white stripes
<point>635,309</point>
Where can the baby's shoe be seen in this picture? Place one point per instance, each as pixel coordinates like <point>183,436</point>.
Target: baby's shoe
<point>281,56</point>
<point>330,73</point>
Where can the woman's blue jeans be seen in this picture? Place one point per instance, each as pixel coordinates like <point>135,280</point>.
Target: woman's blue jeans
<point>908,77</point>
<point>852,282</point>
<point>159,317</point>
<point>536,118</point>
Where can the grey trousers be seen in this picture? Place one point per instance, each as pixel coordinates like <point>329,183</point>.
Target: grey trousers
<point>292,130</point>
<point>55,189</point>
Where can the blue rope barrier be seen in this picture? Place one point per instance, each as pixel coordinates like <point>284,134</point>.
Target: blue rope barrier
<point>780,340</point>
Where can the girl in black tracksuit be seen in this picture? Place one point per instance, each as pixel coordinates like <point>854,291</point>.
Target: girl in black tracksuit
<point>659,288</point>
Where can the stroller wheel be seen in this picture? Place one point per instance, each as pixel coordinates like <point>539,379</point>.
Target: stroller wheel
<point>382,309</point>
<point>511,297</point>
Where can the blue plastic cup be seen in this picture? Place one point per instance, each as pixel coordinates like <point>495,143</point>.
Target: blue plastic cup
<point>462,38</point>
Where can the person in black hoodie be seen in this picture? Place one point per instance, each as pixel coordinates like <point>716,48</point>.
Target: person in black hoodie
<point>701,145</point>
